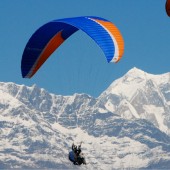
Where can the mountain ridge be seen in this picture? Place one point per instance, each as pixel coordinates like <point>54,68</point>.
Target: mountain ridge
<point>38,128</point>
<point>140,93</point>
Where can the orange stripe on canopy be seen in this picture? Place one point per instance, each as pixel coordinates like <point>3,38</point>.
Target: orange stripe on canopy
<point>54,43</point>
<point>116,34</point>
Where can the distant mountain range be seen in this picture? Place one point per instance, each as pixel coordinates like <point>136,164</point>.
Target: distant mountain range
<point>127,126</point>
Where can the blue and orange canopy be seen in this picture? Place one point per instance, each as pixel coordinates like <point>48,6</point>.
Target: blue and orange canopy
<point>51,35</point>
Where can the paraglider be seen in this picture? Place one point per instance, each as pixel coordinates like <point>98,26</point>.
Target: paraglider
<point>167,7</point>
<point>51,35</point>
<point>76,156</point>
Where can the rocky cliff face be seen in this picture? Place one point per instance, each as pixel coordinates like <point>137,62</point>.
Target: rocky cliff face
<point>127,126</point>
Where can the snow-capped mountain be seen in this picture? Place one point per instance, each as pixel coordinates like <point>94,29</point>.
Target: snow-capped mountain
<point>141,95</point>
<point>127,126</point>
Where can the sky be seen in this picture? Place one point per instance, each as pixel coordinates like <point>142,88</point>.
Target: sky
<point>79,65</point>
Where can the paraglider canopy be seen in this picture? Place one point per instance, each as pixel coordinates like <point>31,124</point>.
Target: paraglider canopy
<point>167,7</point>
<point>51,35</point>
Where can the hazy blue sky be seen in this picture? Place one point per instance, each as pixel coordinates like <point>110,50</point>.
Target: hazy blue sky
<point>79,64</point>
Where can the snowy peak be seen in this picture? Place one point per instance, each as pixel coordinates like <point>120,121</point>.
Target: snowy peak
<point>135,72</point>
<point>135,80</point>
<point>140,95</point>
<point>127,85</point>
